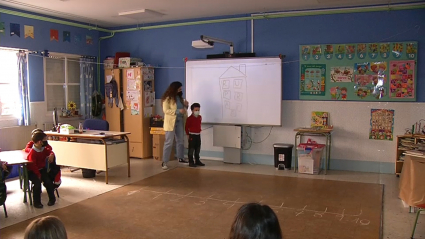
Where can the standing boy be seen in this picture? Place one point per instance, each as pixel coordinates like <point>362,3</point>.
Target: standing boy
<point>193,130</point>
<point>40,156</point>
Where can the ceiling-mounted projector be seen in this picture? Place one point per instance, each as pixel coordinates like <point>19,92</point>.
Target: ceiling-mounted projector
<point>202,44</point>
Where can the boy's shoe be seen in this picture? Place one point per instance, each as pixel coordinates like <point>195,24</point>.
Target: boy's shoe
<point>164,166</point>
<point>38,205</point>
<point>192,164</point>
<point>199,163</point>
<point>183,161</point>
<point>51,202</point>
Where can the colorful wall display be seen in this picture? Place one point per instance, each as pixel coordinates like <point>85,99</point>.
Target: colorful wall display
<point>381,124</point>
<point>359,71</point>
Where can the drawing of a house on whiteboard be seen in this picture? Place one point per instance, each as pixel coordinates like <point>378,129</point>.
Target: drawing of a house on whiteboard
<point>233,92</point>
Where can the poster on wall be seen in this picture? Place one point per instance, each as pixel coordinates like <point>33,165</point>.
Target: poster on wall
<point>15,29</point>
<point>29,31</point>
<point>2,27</point>
<point>359,71</point>
<point>89,40</point>
<point>132,101</point>
<point>402,83</point>
<point>313,79</point>
<point>342,74</point>
<point>66,36</point>
<point>54,35</point>
<point>77,38</point>
<point>382,124</point>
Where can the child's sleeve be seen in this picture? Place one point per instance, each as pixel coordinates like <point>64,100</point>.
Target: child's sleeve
<point>29,147</point>
<point>32,166</point>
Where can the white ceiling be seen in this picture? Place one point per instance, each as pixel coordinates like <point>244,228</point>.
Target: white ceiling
<point>105,12</point>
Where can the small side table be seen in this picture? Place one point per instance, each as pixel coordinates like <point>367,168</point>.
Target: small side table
<point>313,132</point>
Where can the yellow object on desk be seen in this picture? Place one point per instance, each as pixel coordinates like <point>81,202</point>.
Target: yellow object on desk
<point>157,130</point>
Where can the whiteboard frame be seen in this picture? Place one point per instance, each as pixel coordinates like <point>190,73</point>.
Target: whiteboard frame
<point>281,90</point>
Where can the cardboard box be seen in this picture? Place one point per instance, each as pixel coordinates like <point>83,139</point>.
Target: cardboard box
<point>309,160</point>
<point>108,64</point>
<point>158,147</point>
<point>126,62</point>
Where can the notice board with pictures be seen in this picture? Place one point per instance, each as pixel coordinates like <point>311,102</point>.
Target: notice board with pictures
<point>359,71</point>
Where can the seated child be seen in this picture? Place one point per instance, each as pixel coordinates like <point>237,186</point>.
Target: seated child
<point>41,157</point>
<point>54,170</point>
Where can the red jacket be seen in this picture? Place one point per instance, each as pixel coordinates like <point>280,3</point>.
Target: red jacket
<point>38,160</point>
<point>193,124</point>
<point>30,144</point>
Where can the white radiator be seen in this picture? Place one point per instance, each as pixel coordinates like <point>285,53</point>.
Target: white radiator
<point>12,138</point>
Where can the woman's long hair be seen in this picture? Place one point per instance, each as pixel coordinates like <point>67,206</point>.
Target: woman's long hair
<point>171,92</point>
<point>255,221</point>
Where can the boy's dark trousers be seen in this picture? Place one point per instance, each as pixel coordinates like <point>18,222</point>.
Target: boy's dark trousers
<point>47,182</point>
<point>194,147</point>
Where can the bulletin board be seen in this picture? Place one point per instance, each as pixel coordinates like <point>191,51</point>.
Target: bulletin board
<point>359,71</point>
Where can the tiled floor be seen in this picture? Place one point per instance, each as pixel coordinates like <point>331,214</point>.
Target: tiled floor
<point>398,223</point>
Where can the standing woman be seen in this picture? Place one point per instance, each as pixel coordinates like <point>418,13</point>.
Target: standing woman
<point>174,107</point>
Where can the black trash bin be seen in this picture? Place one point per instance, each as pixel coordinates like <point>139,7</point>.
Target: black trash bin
<point>88,173</point>
<point>282,155</point>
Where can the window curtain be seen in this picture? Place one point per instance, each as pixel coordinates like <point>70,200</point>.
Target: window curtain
<point>86,85</point>
<point>24,118</point>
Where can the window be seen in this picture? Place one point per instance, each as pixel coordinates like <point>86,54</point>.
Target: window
<point>10,105</point>
<point>62,76</point>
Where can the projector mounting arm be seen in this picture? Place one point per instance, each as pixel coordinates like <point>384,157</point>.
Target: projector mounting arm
<point>211,40</point>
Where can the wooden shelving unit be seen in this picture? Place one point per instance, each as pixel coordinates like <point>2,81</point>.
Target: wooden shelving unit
<point>405,143</point>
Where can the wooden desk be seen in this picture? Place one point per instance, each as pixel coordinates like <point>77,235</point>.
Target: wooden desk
<point>412,178</point>
<point>91,155</point>
<point>312,132</point>
<point>18,157</point>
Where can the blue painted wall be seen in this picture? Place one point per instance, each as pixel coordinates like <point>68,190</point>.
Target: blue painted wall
<point>42,42</point>
<point>284,36</point>
<point>167,47</point>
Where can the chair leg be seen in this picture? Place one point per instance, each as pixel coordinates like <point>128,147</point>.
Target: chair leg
<point>5,211</point>
<point>416,221</point>
<point>57,192</point>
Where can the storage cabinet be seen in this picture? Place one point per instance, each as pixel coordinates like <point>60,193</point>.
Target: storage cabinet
<point>139,103</point>
<point>405,143</point>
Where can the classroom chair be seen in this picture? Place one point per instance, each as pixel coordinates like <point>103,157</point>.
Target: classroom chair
<point>32,188</point>
<point>96,124</point>
<point>421,209</point>
<point>3,191</point>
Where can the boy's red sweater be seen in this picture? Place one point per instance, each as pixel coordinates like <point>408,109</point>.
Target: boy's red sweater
<point>30,144</point>
<point>38,160</point>
<point>193,124</point>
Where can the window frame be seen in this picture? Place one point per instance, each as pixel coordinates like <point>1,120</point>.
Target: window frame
<point>12,120</point>
<point>65,85</point>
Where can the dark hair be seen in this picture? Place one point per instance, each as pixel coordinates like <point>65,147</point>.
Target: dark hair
<point>49,227</point>
<point>255,221</point>
<point>35,131</point>
<point>171,92</point>
<point>195,105</point>
<point>38,136</point>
